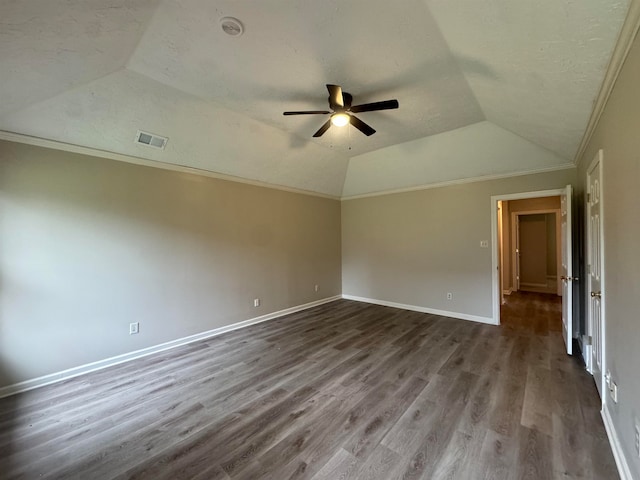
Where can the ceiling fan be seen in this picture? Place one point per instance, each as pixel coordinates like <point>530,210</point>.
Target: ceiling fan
<point>342,111</point>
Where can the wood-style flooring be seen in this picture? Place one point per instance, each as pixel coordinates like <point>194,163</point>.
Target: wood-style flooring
<point>341,391</point>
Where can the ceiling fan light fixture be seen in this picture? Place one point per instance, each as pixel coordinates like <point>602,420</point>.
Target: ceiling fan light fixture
<point>340,119</point>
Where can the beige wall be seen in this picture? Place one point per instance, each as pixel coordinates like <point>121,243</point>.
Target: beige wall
<point>89,245</point>
<point>618,134</point>
<point>534,204</point>
<point>552,257</point>
<point>533,251</point>
<point>413,248</point>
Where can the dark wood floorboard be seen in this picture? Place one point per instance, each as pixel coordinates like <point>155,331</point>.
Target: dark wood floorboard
<point>341,391</point>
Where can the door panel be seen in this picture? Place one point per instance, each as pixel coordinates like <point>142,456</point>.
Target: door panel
<point>595,327</point>
<point>566,270</point>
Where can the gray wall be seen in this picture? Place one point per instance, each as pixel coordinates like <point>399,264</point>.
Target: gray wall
<point>414,247</point>
<point>89,245</point>
<point>618,134</point>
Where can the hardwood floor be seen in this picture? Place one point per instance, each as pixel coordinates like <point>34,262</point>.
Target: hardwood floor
<point>342,391</point>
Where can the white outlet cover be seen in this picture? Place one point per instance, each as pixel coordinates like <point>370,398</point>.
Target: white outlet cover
<point>484,243</point>
<point>614,392</point>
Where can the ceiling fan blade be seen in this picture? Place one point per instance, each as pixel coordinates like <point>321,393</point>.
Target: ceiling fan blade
<point>372,107</point>
<point>323,129</point>
<point>360,125</point>
<point>307,112</point>
<point>336,101</point>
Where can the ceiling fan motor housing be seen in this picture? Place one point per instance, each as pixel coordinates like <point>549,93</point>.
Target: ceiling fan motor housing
<point>342,111</point>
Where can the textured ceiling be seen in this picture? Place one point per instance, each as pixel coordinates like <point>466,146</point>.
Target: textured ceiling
<point>524,75</point>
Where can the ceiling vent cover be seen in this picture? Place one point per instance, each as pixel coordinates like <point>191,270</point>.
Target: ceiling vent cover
<point>231,26</point>
<point>151,140</point>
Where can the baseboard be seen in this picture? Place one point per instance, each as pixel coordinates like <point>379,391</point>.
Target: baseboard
<point>614,441</point>
<point>126,357</point>
<point>415,308</point>
<point>532,285</point>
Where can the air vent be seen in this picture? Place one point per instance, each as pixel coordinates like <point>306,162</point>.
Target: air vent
<point>231,26</point>
<point>151,140</point>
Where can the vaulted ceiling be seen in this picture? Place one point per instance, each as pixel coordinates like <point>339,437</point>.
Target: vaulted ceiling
<point>485,86</point>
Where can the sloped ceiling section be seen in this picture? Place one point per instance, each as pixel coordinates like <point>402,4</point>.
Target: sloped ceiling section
<point>516,78</point>
<point>291,49</point>
<point>481,149</point>
<point>203,135</point>
<point>47,47</point>
<point>548,59</point>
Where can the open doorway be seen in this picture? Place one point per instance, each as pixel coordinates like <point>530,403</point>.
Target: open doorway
<point>532,231</point>
<point>539,222</point>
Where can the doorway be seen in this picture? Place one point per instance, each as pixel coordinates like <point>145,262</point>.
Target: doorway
<point>531,210</point>
<point>529,254</point>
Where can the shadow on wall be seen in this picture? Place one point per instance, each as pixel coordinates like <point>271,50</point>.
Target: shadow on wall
<point>9,420</point>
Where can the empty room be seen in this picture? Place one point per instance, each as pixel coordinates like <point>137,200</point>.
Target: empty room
<point>319,240</point>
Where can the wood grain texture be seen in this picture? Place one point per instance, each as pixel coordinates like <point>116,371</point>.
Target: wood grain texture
<point>342,391</point>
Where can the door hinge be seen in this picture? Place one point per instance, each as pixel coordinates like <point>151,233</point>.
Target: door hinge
<point>588,340</point>
<point>588,197</point>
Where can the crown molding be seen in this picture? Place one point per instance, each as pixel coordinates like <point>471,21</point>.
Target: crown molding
<point>94,152</point>
<point>621,50</point>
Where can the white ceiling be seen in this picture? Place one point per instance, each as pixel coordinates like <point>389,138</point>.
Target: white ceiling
<point>513,82</point>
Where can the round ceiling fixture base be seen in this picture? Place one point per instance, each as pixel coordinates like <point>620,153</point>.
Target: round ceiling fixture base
<point>232,26</point>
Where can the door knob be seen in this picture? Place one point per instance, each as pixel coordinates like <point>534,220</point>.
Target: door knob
<point>596,294</point>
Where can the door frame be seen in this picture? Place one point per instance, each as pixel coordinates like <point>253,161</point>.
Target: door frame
<point>495,266</point>
<point>587,347</point>
<point>515,225</point>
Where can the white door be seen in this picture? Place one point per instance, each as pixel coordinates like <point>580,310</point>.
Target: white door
<point>516,280</point>
<point>566,270</point>
<point>595,319</point>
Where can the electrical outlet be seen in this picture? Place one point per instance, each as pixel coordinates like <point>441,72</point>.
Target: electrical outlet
<point>613,391</point>
<point>484,243</point>
<point>449,296</point>
<point>134,328</point>
<point>316,288</point>
<point>256,302</point>
<point>637,438</point>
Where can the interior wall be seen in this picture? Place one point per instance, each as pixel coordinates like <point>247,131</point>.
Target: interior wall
<point>89,245</point>
<point>617,134</point>
<point>552,257</point>
<point>414,247</point>
<point>533,251</point>
<point>534,204</point>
